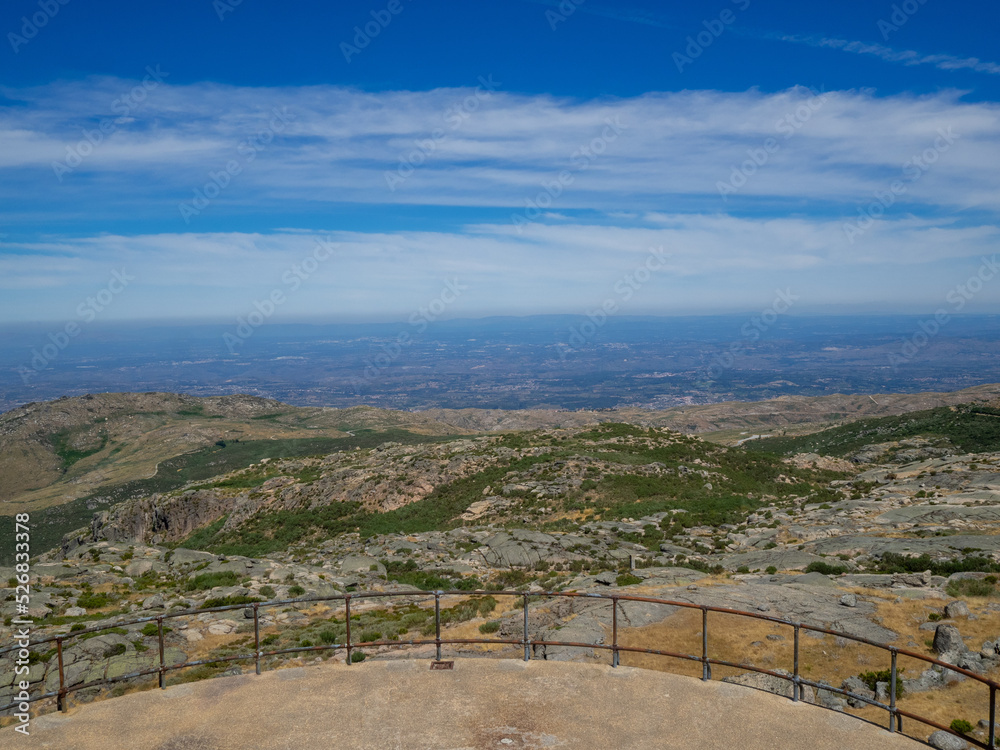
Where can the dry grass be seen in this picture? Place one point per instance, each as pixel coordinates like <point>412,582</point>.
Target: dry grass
<point>827,659</point>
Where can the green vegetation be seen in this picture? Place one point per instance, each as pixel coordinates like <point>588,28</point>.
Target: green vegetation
<point>440,580</point>
<point>150,629</point>
<point>90,600</point>
<point>61,440</point>
<point>627,579</point>
<point>818,566</point>
<point>969,428</point>
<point>973,587</point>
<point>891,562</point>
<point>491,626</point>
<point>117,650</point>
<point>269,532</point>
<point>296,590</point>
<point>961,725</point>
<point>49,525</point>
<point>871,679</point>
<point>733,484</point>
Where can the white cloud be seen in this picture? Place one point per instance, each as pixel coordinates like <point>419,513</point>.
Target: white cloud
<point>341,144</point>
<point>654,183</point>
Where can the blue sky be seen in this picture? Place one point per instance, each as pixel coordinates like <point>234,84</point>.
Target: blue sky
<point>359,157</point>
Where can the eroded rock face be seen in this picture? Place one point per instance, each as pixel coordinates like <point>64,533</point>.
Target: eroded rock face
<point>163,518</point>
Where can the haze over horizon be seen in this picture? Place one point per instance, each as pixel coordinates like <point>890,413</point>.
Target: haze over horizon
<point>364,161</point>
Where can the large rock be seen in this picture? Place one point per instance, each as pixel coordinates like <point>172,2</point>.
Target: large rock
<point>137,567</point>
<point>948,643</point>
<point>182,556</point>
<point>956,609</point>
<point>856,686</point>
<point>930,679</point>
<point>360,564</point>
<point>771,684</point>
<point>946,741</point>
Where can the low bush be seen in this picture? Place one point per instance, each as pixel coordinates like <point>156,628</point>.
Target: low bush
<point>961,725</point>
<point>972,587</point>
<point>871,679</point>
<point>818,566</point>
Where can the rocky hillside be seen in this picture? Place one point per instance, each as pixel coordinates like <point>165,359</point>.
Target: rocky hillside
<point>904,552</point>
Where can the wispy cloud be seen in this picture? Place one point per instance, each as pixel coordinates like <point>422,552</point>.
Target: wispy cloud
<point>341,143</point>
<point>901,57</point>
<point>656,185</point>
<point>715,263</point>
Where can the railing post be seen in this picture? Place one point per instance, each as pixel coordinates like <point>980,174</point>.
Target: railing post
<point>347,619</point>
<point>706,669</point>
<point>61,701</point>
<point>163,671</point>
<point>256,637</point>
<point>993,716</point>
<point>892,691</point>
<point>527,643</point>
<point>796,688</point>
<point>437,623</point>
<point>614,631</point>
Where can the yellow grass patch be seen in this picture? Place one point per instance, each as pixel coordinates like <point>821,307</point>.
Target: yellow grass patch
<point>743,640</point>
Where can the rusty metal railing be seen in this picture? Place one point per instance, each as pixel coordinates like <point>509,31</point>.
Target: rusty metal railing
<point>895,714</point>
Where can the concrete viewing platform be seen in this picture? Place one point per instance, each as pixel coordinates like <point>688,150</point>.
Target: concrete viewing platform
<point>482,703</point>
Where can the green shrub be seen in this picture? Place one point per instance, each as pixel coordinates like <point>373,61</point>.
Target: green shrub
<point>872,678</point>
<point>268,591</point>
<point>329,637</point>
<point>296,590</point>
<point>117,650</point>
<point>972,587</point>
<point>818,566</point>
<point>77,626</point>
<point>489,627</point>
<point>743,569</point>
<point>627,579</point>
<point>357,656</point>
<point>268,640</point>
<point>771,570</point>
<point>961,725</point>
<point>90,600</point>
<point>150,629</point>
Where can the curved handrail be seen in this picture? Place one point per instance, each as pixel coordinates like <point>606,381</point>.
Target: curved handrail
<point>798,682</point>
